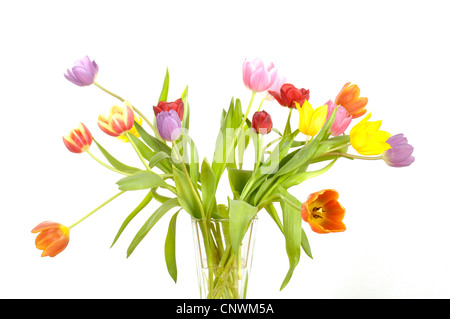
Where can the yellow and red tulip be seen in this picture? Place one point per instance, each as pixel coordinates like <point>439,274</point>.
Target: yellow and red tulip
<point>52,239</point>
<point>133,130</point>
<point>349,98</point>
<point>367,138</point>
<point>78,140</point>
<point>119,121</point>
<point>323,212</point>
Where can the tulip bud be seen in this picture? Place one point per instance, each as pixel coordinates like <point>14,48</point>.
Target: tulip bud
<point>83,73</point>
<point>78,140</point>
<point>119,121</point>
<point>177,106</point>
<point>52,239</point>
<point>262,122</point>
<point>169,125</point>
<point>350,100</point>
<point>399,155</point>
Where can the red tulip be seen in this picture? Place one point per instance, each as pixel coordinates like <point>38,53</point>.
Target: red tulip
<point>262,122</point>
<point>290,94</point>
<point>177,105</point>
<point>78,140</point>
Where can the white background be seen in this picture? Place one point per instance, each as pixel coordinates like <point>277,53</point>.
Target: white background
<point>396,243</point>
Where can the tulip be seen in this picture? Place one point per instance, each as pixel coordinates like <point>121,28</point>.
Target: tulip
<point>399,155</point>
<point>323,212</point>
<point>177,105</point>
<point>133,130</point>
<point>119,121</point>
<point>311,121</point>
<point>52,239</point>
<point>289,94</point>
<point>257,77</point>
<point>350,100</point>
<point>169,125</point>
<point>262,122</point>
<point>78,140</point>
<point>367,138</point>
<point>341,121</point>
<point>83,73</point>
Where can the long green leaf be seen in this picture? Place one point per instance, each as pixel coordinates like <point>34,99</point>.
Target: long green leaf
<point>165,88</point>
<point>141,180</point>
<point>240,215</point>
<point>116,163</point>
<point>169,248</point>
<point>142,204</point>
<point>208,185</point>
<point>148,225</point>
<point>186,195</point>
<point>155,144</point>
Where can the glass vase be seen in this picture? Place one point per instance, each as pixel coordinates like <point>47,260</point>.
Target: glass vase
<point>222,272</point>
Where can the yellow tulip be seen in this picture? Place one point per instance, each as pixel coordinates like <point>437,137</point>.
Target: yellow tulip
<point>311,121</point>
<point>367,138</point>
<point>133,130</point>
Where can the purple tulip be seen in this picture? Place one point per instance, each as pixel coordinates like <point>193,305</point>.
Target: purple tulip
<point>83,73</point>
<point>399,155</point>
<point>169,125</point>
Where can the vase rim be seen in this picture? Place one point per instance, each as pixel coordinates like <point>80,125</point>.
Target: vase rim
<point>217,219</point>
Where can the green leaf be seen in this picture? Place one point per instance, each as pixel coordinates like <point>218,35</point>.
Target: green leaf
<point>115,163</point>
<point>238,178</point>
<point>187,111</point>
<point>241,213</point>
<point>169,248</point>
<point>186,195</point>
<point>165,88</point>
<point>208,184</point>
<point>158,157</point>
<point>155,144</point>
<point>292,225</point>
<point>305,245</point>
<point>148,225</point>
<point>144,203</point>
<point>299,178</point>
<point>273,213</point>
<point>141,180</point>
<point>145,151</point>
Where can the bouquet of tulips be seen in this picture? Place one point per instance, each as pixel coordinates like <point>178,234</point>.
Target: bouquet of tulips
<point>172,174</point>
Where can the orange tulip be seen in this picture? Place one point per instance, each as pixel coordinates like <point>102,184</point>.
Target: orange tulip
<point>52,239</point>
<point>78,140</point>
<point>350,100</point>
<point>323,212</point>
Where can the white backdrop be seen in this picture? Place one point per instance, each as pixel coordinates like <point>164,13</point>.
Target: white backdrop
<point>396,243</point>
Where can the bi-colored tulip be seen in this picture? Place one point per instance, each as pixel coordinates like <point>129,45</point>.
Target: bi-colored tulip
<point>119,121</point>
<point>177,105</point>
<point>78,140</point>
<point>341,121</point>
<point>262,122</point>
<point>257,77</point>
<point>289,95</point>
<point>133,130</point>
<point>323,212</point>
<point>169,125</point>
<point>349,98</point>
<point>399,155</point>
<point>83,73</point>
<point>367,138</point>
<point>311,121</point>
<point>52,239</point>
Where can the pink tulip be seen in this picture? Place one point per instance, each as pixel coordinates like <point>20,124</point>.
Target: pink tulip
<point>341,121</point>
<point>259,78</point>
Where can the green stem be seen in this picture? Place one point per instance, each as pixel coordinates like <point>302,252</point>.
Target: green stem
<point>260,104</point>
<point>123,100</point>
<point>96,209</point>
<point>143,160</point>
<point>352,156</point>
<point>106,165</point>
<point>338,147</point>
<point>248,109</point>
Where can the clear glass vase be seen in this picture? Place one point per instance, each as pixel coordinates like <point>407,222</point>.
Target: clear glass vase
<point>222,272</point>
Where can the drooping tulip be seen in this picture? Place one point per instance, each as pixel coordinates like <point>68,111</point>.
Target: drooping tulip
<point>262,122</point>
<point>311,121</point>
<point>177,105</point>
<point>289,95</point>
<point>119,121</point>
<point>78,140</point>
<point>52,239</point>
<point>169,125</point>
<point>349,98</point>
<point>399,155</point>
<point>83,73</point>
<point>367,138</point>
<point>257,77</point>
<point>341,121</point>
<point>323,212</point>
